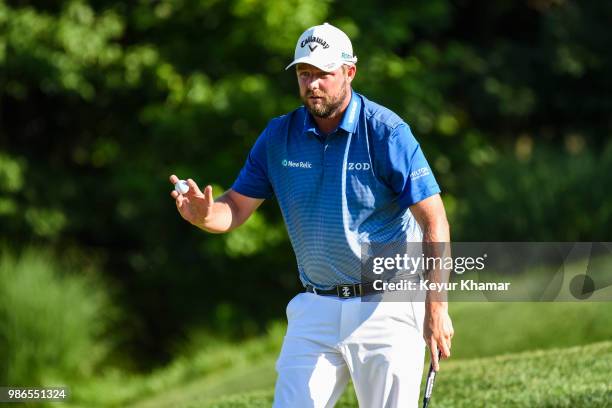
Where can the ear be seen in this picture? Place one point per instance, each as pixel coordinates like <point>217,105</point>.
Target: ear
<point>351,71</point>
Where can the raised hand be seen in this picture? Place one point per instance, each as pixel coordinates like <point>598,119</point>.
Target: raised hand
<point>194,206</point>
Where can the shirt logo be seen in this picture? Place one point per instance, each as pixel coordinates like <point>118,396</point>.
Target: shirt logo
<point>300,164</point>
<point>422,172</point>
<point>359,166</point>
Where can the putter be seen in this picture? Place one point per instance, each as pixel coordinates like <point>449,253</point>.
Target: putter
<point>431,376</point>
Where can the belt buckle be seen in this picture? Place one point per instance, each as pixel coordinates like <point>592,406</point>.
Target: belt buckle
<point>346,291</point>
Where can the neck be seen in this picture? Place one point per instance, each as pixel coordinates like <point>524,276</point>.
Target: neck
<point>328,125</point>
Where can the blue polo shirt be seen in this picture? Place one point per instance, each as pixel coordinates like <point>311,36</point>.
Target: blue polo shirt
<point>339,191</point>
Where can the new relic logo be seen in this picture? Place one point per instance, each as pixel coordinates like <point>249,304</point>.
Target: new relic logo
<point>300,164</point>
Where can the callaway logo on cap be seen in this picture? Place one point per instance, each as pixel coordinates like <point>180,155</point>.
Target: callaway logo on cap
<point>324,46</point>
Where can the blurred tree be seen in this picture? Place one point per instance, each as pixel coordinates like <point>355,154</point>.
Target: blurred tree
<point>101,100</point>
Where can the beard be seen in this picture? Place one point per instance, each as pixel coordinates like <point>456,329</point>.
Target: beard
<point>327,106</point>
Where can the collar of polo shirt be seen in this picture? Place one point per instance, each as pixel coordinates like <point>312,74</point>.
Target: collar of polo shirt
<point>348,122</point>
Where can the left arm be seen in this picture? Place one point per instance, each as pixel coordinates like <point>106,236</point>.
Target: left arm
<point>438,327</point>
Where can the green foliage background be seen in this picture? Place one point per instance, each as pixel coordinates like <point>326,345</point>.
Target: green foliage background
<point>101,100</point>
<point>53,326</point>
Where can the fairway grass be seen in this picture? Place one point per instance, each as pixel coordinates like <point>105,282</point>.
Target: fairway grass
<point>482,330</point>
<point>572,377</point>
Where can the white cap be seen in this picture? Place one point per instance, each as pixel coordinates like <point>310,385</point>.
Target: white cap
<point>324,46</point>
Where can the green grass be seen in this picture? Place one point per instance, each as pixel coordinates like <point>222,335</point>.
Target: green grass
<point>249,378</point>
<point>186,377</point>
<point>482,330</point>
<point>53,322</point>
<point>488,329</point>
<point>571,377</point>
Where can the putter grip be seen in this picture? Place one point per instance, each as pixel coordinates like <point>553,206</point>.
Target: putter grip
<point>431,377</point>
<point>430,383</point>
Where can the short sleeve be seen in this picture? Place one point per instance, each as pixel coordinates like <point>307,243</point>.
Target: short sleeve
<point>406,171</point>
<point>253,180</point>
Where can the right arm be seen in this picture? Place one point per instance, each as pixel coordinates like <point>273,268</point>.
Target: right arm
<point>224,214</point>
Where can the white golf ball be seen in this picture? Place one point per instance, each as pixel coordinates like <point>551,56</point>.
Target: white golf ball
<point>181,187</point>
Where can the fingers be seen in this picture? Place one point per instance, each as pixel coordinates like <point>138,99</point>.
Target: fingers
<point>445,347</point>
<point>438,351</point>
<point>193,188</point>
<point>192,204</point>
<point>447,340</point>
<point>178,198</point>
<point>433,352</point>
<point>175,194</point>
<point>209,195</point>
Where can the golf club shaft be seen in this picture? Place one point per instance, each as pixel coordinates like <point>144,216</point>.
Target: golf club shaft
<point>431,376</point>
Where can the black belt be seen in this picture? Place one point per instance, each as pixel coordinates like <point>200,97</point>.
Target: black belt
<point>345,291</point>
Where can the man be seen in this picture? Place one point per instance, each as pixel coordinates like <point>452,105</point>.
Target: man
<point>345,172</point>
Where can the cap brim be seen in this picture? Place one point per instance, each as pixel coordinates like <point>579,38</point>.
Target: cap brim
<point>323,66</point>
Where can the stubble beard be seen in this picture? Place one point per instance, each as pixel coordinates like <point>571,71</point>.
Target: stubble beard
<point>329,106</point>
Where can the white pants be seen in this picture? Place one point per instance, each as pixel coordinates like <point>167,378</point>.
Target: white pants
<point>378,344</point>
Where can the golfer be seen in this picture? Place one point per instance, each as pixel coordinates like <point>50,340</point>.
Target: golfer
<point>345,172</point>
